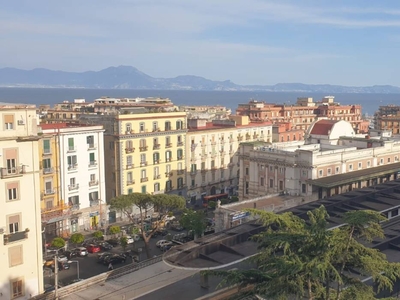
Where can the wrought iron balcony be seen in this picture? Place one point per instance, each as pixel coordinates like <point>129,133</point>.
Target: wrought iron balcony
<point>143,148</point>
<point>180,144</point>
<point>72,187</point>
<point>129,150</point>
<point>144,179</point>
<point>158,176</point>
<point>49,192</point>
<point>130,182</point>
<point>72,167</point>
<point>71,149</point>
<point>180,172</point>
<point>168,145</point>
<point>93,164</point>
<point>93,182</point>
<point>129,166</point>
<point>15,237</point>
<point>156,146</point>
<point>12,172</point>
<point>193,172</point>
<point>143,163</point>
<point>75,206</point>
<point>48,170</point>
<point>92,146</point>
<point>46,152</point>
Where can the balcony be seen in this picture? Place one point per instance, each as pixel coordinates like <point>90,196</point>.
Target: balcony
<point>75,206</point>
<point>230,165</point>
<point>156,162</point>
<point>222,152</point>
<point>73,187</point>
<point>49,192</point>
<point>94,202</point>
<point>213,143</point>
<point>143,163</point>
<point>129,150</point>
<point>193,172</point>
<point>240,138</point>
<point>158,176</point>
<point>130,182</point>
<point>193,186</point>
<point>48,170</point>
<point>180,144</point>
<point>16,236</point>
<point>143,148</point>
<point>46,152</point>
<point>168,174</point>
<point>12,172</point>
<point>169,188</point>
<point>72,167</point>
<point>144,179</point>
<point>71,149</point>
<point>180,157</point>
<point>156,146</point>
<point>93,164</point>
<point>156,129</point>
<point>93,182</point>
<point>180,172</point>
<point>168,145</point>
<point>223,166</point>
<point>203,170</point>
<point>92,146</point>
<point>168,159</point>
<point>231,140</point>
<point>193,159</point>
<point>214,168</point>
<point>129,166</point>
<point>231,152</point>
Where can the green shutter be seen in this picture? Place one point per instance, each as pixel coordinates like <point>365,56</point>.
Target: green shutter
<point>91,157</point>
<point>71,142</point>
<point>143,189</point>
<point>46,146</point>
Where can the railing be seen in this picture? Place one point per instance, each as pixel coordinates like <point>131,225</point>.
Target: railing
<point>156,146</point>
<point>203,170</point>
<point>143,163</point>
<point>180,172</point>
<point>180,144</point>
<point>144,179</point>
<point>129,166</point>
<point>49,191</point>
<point>71,149</point>
<point>94,202</point>
<point>92,164</point>
<point>193,186</point>
<point>158,176</point>
<point>156,161</point>
<point>12,172</point>
<point>143,148</point>
<point>213,143</point>
<point>75,206</point>
<point>72,167</point>
<point>130,182</point>
<point>180,157</point>
<point>193,172</point>
<point>129,150</point>
<point>92,146</point>
<point>14,237</point>
<point>168,145</point>
<point>168,159</point>
<point>46,152</point>
<point>93,182</point>
<point>72,187</point>
<point>48,170</point>
<point>156,129</point>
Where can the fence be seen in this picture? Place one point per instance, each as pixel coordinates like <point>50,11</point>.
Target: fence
<point>101,278</point>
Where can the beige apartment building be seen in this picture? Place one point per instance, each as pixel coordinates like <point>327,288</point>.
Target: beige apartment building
<point>333,159</point>
<point>212,161</point>
<point>21,261</point>
<point>388,118</point>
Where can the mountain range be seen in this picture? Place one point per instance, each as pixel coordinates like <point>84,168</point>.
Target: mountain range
<point>127,77</point>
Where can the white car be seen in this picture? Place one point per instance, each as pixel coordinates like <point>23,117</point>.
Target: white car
<point>62,258</point>
<point>164,243</point>
<point>82,251</point>
<point>158,244</point>
<point>129,239</point>
<point>171,218</point>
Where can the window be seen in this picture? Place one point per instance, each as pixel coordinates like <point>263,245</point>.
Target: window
<point>359,165</point>
<point>72,161</point>
<point>179,166</point>
<point>130,191</point>
<point>156,158</point>
<point>92,177</point>
<point>128,127</point>
<point>304,188</point>
<point>92,159</point>
<point>46,146</point>
<point>168,185</point>
<point>368,164</point>
<point>156,172</point>
<point>203,165</point>
<point>247,171</point>
<point>179,139</point>
<point>143,173</point>
<point>128,146</point>
<point>388,160</point>
<point>155,126</point>
<point>168,168</point>
<point>74,200</point>
<point>144,189</point>
<point>143,159</point>
<point>49,187</point>
<point>8,122</point>
<point>129,178</point>
<point>222,174</point>
<point>15,256</point>
<point>93,197</point>
<point>193,168</point>
<point>14,223</point>
<point>304,173</point>
<point>280,185</point>
<point>271,183</point>
<point>71,145</point>
<point>168,141</point>
<point>262,181</point>
<point>213,164</point>
<point>247,188</point>
<point>168,156</point>
<point>129,160</point>
<point>329,171</point>
<point>203,178</point>
<point>180,153</point>
<point>17,288</point>
<point>337,170</point>
<point>142,143</point>
<point>179,124</point>
<point>90,141</point>
<point>321,172</point>
<point>12,191</point>
<point>180,182</point>
<point>271,168</point>
<point>141,127</point>
<point>156,187</point>
<point>350,167</point>
<point>167,125</point>
<point>381,161</point>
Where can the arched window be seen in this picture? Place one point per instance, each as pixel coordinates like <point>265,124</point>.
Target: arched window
<point>180,182</point>
<point>156,158</point>
<point>168,156</point>
<point>156,187</point>
<point>128,128</point>
<point>167,125</point>
<point>180,154</point>
<point>141,127</point>
<point>179,124</point>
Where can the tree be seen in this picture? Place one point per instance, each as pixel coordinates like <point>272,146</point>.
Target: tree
<point>98,234</point>
<point>124,242</point>
<point>58,242</point>
<point>114,229</point>
<point>304,260</point>
<point>212,205</point>
<point>162,203</point>
<point>77,238</point>
<point>195,221</point>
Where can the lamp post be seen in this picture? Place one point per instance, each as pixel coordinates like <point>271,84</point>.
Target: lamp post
<point>77,263</point>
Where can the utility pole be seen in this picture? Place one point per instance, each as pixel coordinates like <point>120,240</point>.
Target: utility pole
<point>56,276</point>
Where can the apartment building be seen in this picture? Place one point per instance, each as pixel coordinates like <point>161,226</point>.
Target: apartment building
<point>388,118</point>
<point>212,161</point>
<point>79,182</point>
<point>304,112</point>
<point>333,159</point>
<point>210,112</point>
<point>21,261</point>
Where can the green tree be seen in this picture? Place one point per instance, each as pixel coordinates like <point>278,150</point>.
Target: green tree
<point>98,234</point>
<point>195,221</point>
<point>212,205</point>
<point>124,242</point>
<point>304,260</point>
<point>77,238</point>
<point>114,229</point>
<point>58,242</point>
<point>162,203</point>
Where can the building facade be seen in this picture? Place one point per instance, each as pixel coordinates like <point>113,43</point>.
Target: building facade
<point>81,188</point>
<point>21,261</point>
<point>212,160</point>
<point>388,118</point>
<point>331,160</point>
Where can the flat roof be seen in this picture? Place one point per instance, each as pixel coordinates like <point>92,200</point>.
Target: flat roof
<point>340,179</point>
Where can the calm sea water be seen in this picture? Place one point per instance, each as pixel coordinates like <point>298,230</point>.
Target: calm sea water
<point>369,102</point>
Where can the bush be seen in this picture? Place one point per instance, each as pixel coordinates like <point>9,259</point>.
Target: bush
<point>98,234</point>
<point>224,201</point>
<point>114,229</point>
<point>135,230</point>
<point>124,242</point>
<point>58,242</point>
<point>234,199</point>
<point>212,204</point>
<point>77,238</point>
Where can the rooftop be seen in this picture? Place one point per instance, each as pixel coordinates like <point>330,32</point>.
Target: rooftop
<point>9,105</point>
<point>323,127</point>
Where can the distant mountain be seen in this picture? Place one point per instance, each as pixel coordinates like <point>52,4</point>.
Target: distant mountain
<point>126,77</point>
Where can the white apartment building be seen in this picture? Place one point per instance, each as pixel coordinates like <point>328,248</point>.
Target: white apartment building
<point>21,261</point>
<point>82,183</point>
<point>332,160</point>
<point>212,162</point>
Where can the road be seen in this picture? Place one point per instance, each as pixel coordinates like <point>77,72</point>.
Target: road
<point>88,266</point>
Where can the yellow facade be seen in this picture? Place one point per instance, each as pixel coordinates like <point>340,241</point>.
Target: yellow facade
<point>51,205</point>
<point>149,154</point>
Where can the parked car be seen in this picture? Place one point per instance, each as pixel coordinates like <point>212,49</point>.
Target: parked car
<point>114,259</point>
<point>166,246</point>
<point>113,242</point>
<point>101,257</point>
<point>93,248</point>
<point>158,243</point>
<point>170,218</point>
<point>132,255</point>
<point>62,258</point>
<point>105,246</point>
<point>164,243</point>
<point>61,266</point>
<point>82,251</point>
<point>71,254</point>
<point>129,239</point>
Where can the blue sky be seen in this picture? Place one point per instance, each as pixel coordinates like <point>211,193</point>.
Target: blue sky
<point>247,41</point>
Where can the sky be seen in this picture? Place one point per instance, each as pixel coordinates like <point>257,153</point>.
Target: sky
<point>353,43</point>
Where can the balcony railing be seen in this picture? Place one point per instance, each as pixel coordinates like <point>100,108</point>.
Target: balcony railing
<point>168,159</point>
<point>143,163</point>
<point>193,172</point>
<point>203,170</point>
<point>180,157</point>
<point>12,172</point>
<point>94,202</point>
<point>168,174</point>
<point>93,182</point>
<point>180,144</point>
<point>15,237</point>
<point>48,170</point>
<point>143,148</point>
<point>49,192</point>
<point>156,146</point>
<point>72,187</point>
<point>92,164</point>
<point>156,129</point>
<point>144,179</point>
<point>71,149</point>
<point>158,176</point>
<point>180,172</point>
<point>129,150</point>
<point>75,206</point>
<point>46,152</point>
<point>193,186</point>
<point>222,152</point>
<point>156,161</point>
<point>129,131</point>
<point>72,167</point>
<point>130,182</point>
<point>214,167</point>
<point>92,146</point>
<point>168,145</point>
<point>129,166</point>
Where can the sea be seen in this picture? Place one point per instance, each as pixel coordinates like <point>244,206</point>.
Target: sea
<point>370,102</point>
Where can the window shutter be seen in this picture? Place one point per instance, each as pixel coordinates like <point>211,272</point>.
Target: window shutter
<point>13,219</point>
<point>9,119</point>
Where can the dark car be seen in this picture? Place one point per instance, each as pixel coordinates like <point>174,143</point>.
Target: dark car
<point>132,255</point>
<point>113,242</point>
<point>71,254</point>
<point>103,256</point>
<point>114,259</point>
<point>62,265</point>
<point>105,246</point>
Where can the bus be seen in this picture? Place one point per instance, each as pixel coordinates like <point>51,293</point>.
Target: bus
<point>213,198</point>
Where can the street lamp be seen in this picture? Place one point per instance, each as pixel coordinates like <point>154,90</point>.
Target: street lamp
<point>77,262</point>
